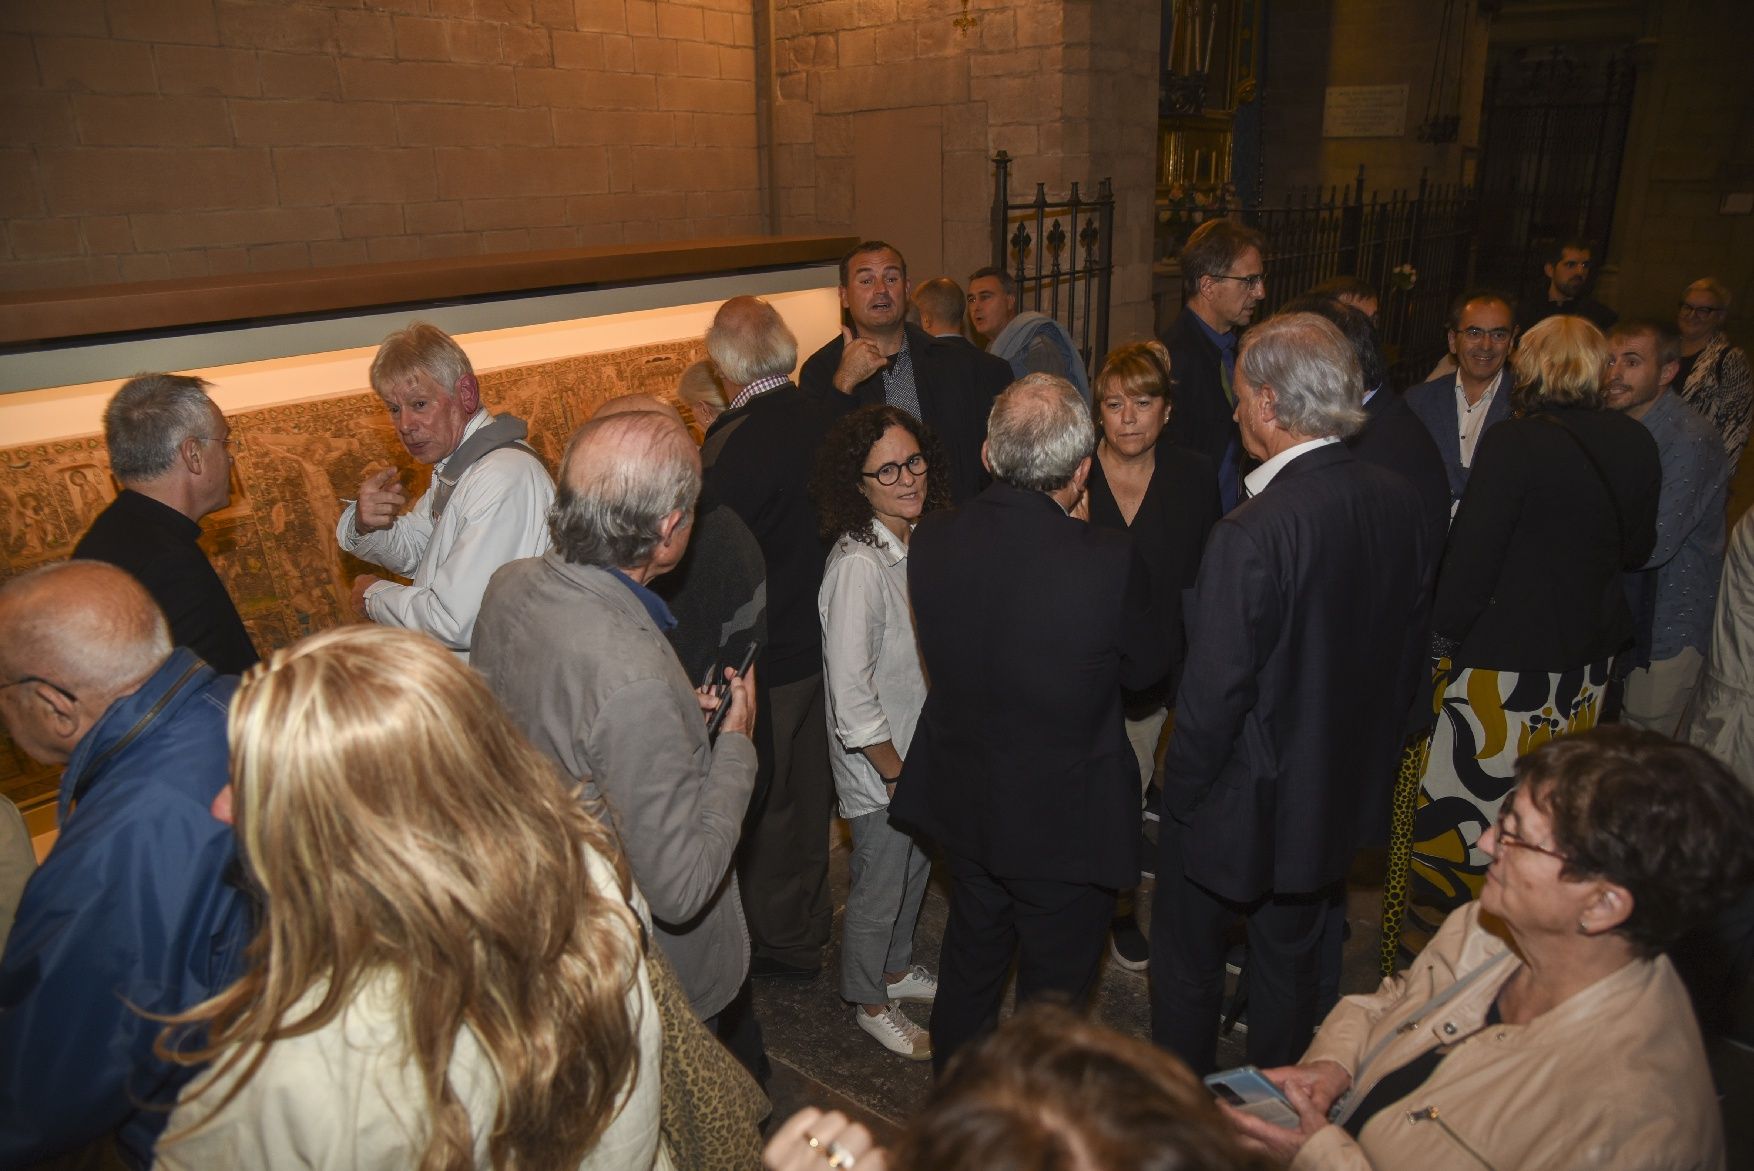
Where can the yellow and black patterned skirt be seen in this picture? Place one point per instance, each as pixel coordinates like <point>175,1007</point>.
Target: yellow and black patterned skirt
<point>1485,720</point>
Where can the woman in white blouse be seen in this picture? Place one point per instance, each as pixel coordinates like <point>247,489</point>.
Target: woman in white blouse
<point>449,971</point>
<point>874,477</point>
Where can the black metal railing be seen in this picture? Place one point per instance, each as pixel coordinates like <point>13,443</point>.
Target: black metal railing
<point>1414,246</point>
<point>1061,254</point>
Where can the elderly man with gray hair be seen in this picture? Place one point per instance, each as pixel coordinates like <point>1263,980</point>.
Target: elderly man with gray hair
<point>485,506</point>
<point>1030,622</point>
<point>573,643</point>
<point>1305,642</point>
<point>170,449</point>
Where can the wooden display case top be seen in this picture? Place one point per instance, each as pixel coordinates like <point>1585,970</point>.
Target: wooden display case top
<point>53,315</point>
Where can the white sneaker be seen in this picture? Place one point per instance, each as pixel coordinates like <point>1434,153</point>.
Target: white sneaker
<point>917,987</point>
<point>896,1033</point>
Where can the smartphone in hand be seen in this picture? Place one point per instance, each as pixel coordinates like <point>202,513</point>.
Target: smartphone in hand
<point>722,688</point>
<point>1247,1089</point>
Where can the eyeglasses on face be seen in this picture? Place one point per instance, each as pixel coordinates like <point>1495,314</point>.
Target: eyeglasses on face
<point>1511,838</point>
<point>225,440</point>
<point>1256,281</point>
<point>49,683</point>
<point>889,473</point>
<point>1474,333</point>
<point>1692,310</point>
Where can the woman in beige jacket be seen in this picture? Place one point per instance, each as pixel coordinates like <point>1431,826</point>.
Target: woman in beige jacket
<point>450,970</point>
<point>1542,1026</point>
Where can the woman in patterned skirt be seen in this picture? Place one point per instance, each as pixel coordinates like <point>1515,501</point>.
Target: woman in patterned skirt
<point>1530,611</point>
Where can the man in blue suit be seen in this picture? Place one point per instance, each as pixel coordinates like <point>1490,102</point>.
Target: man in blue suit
<point>1458,407</point>
<point>1306,638</point>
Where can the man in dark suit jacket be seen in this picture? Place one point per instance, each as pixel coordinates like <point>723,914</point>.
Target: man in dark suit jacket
<point>1459,407</point>
<point>1030,622</point>
<point>1306,632</point>
<point>171,449</point>
<point>880,358</point>
<point>757,460</point>
<point>1224,280</point>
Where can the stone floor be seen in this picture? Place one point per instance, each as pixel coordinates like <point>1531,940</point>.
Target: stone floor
<point>822,1058</point>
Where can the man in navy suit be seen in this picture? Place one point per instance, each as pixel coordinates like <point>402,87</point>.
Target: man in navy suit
<point>1030,622</point>
<point>1458,407</point>
<point>1306,629</point>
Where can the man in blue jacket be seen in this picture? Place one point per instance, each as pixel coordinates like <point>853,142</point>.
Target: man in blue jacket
<point>131,913</point>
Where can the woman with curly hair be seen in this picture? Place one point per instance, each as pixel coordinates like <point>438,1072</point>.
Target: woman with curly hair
<point>876,473</point>
<point>449,973</point>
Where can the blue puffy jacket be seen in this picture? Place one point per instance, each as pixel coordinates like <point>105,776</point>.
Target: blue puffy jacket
<point>131,911</point>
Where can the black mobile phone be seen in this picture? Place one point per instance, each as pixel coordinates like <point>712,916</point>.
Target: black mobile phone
<point>723,689</point>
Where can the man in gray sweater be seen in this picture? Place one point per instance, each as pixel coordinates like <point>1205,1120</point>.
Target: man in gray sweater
<point>573,644</point>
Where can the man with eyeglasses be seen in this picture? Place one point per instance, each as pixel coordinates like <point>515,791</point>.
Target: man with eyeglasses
<point>1458,408</point>
<point>131,916</point>
<point>1714,377</point>
<point>170,449</point>
<point>1224,280</point>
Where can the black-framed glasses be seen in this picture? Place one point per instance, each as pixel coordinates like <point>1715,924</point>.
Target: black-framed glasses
<point>1255,280</point>
<point>49,683</point>
<point>1511,838</point>
<point>1474,333</point>
<point>1699,310</point>
<point>889,473</point>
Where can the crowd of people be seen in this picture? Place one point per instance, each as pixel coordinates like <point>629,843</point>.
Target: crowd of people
<point>485,878</point>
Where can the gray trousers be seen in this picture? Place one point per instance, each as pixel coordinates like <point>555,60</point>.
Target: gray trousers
<point>889,873</point>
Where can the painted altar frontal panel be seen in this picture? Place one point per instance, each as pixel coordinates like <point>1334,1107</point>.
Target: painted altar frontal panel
<point>294,463</point>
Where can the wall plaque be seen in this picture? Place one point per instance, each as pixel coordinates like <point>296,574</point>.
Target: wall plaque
<point>1365,111</point>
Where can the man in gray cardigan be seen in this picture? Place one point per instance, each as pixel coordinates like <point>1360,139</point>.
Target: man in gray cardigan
<point>573,643</point>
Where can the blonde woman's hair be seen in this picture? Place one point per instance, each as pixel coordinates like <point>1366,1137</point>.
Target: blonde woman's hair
<point>1134,369</point>
<point>1562,361</point>
<point>397,823</point>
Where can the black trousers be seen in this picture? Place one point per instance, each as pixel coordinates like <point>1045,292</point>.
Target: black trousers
<point>783,868</point>
<point>735,1025</point>
<point>1188,928</point>
<point>1056,930</point>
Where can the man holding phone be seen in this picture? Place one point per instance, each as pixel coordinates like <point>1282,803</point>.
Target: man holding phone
<point>880,358</point>
<point>573,644</point>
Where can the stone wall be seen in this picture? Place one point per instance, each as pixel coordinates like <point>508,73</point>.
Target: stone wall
<point>144,139</point>
<point>886,117</point>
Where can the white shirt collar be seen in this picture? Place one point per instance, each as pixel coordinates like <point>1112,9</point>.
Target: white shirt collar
<point>1256,481</point>
<point>894,552</point>
<point>476,422</point>
<point>1486,397</point>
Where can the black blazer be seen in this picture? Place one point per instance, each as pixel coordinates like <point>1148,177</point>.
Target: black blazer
<point>1531,577</point>
<point>1305,642</point>
<point>957,383</point>
<point>1169,530</point>
<point>1395,438</point>
<point>158,545</point>
<point>758,459</point>
<point>1202,419</point>
<point>1029,624</point>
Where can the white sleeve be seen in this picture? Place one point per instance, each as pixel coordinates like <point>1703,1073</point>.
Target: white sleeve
<point>851,604</point>
<point>498,514</point>
<point>398,548</point>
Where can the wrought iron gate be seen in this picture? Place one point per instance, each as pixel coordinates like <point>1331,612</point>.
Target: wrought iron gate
<point>1063,271</point>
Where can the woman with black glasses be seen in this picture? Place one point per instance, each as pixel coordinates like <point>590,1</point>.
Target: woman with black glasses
<point>1714,379</point>
<point>877,473</point>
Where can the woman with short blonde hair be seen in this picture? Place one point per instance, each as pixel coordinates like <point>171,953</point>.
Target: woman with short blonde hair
<point>1530,613</point>
<point>449,971</point>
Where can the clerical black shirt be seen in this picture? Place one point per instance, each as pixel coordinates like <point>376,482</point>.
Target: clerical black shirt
<point>158,545</point>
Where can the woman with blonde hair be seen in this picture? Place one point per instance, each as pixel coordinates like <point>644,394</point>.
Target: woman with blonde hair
<point>1530,611</point>
<point>1715,379</point>
<point>1166,498</point>
<point>449,972</point>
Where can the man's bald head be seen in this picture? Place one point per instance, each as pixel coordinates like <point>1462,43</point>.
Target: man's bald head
<point>623,481</point>
<point>90,633</point>
<point>634,403</point>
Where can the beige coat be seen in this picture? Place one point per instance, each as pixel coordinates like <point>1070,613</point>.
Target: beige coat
<point>345,1098</point>
<point>1614,1077</point>
<point>1720,718</point>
